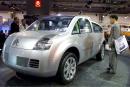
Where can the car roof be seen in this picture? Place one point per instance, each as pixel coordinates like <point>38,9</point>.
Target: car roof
<point>83,16</point>
<point>54,17</point>
<point>50,17</point>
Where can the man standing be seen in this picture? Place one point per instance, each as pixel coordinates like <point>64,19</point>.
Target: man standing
<point>114,34</point>
<point>14,26</point>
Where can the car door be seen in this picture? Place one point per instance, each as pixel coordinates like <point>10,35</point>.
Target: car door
<point>85,39</point>
<point>98,37</point>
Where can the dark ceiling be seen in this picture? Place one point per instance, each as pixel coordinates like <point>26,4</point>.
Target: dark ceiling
<point>94,6</point>
<point>12,5</point>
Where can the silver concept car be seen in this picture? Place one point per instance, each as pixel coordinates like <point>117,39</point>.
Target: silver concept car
<point>54,46</point>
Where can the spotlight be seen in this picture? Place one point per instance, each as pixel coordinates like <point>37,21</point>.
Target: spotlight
<point>59,14</point>
<point>126,17</point>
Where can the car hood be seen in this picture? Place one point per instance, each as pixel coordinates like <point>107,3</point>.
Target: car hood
<point>28,39</point>
<point>37,34</point>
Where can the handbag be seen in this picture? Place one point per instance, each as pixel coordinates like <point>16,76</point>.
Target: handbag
<point>121,44</point>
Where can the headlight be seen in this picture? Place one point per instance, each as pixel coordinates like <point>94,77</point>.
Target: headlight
<point>43,44</point>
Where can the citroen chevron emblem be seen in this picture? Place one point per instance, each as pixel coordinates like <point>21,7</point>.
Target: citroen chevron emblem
<point>16,42</point>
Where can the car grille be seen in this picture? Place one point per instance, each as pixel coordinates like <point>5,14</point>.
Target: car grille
<point>26,62</point>
<point>21,61</point>
<point>34,63</point>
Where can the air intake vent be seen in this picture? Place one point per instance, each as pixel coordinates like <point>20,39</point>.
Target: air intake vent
<point>34,63</point>
<point>22,61</point>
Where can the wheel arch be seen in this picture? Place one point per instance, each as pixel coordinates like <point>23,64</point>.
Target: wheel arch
<point>73,50</point>
<point>70,49</point>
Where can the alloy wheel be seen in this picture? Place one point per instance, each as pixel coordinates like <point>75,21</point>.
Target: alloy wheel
<point>70,68</point>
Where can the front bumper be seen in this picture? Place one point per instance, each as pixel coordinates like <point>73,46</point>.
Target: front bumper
<point>30,62</point>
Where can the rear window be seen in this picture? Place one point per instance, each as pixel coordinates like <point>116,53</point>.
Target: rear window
<point>97,28</point>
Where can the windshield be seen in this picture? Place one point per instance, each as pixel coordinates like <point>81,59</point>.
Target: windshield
<point>51,23</point>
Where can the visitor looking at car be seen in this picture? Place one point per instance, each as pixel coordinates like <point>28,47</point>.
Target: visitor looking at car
<point>114,34</point>
<point>14,26</point>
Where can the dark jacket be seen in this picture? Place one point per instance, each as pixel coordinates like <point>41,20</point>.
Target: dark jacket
<point>2,40</point>
<point>14,28</point>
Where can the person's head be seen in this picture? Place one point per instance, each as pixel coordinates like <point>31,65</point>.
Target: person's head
<point>16,20</point>
<point>113,19</point>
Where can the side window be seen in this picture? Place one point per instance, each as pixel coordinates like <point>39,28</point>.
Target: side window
<point>84,26</point>
<point>96,28</point>
<point>76,29</point>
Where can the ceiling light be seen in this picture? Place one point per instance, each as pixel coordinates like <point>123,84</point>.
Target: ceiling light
<point>126,17</point>
<point>59,14</point>
<point>4,20</point>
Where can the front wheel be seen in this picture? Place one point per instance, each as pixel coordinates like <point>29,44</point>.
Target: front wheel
<point>100,56</point>
<point>68,68</point>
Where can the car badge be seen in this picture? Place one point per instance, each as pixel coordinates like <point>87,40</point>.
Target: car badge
<point>16,42</point>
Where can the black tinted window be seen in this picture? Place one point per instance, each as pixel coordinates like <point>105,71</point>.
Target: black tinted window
<point>96,28</point>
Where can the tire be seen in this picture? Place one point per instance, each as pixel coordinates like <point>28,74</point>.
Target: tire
<point>101,54</point>
<point>68,68</point>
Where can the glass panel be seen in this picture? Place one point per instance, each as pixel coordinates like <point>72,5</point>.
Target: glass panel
<point>96,28</point>
<point>85,26</point>
<point>59,23</point>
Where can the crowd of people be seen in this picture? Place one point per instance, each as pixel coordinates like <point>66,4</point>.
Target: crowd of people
<point>15,26</point>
